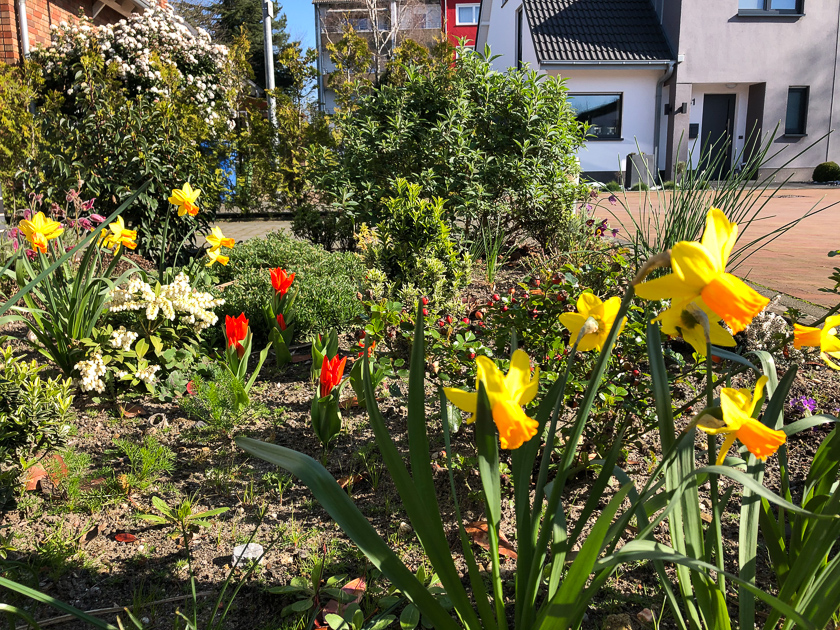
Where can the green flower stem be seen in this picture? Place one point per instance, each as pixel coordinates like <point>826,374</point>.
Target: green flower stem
<point>163,245</point>
<point>713,478</point>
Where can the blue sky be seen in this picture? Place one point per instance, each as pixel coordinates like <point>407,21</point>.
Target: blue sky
<point>300,20</point>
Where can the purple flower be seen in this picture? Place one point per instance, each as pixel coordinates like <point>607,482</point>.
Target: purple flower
<point>88,205</point>
<point>590,222</point>
<point>27,214</point>
<point>85,224</point>
<point>615,232</point>
<point>593,193</point>
<point>589,206</point>
<point>31,255</point>
<point>612,199</point>
<point>13,234</point>
<point>804,403</point>
<point>97,218</point>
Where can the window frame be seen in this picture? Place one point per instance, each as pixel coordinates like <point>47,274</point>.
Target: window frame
<point>803,112</point>
<point>618,137</point>
<point>768,11</point>
<point>473,6</point>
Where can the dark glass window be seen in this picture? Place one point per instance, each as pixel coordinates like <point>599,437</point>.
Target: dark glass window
<point>774,6</point>
<point>796,116</point>
<point>601,111</point>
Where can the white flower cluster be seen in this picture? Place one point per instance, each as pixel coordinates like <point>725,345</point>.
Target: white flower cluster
<point>147,375</point>
<point>122,338</point>
<point>140,47</point>
<point>765,330</point>
<point>178,297</point>
<point>91,370</point>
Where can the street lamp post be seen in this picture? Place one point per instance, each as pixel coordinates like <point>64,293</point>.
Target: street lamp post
<point>268,51</point>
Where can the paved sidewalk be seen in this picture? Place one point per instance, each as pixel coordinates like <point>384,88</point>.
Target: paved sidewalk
<point>244,230</point>
<point>797,262</point>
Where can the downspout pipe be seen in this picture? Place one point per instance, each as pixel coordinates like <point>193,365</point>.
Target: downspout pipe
<point>657,118</point>
<point>322,99</point>
<point>23,24</point>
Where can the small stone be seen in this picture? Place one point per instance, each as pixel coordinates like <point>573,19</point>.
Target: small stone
<point>405,529</point>
<point>287,558</point>
<point>145,621</point>
<point>645,615</point>
<point>251,551</point>
<point>199,425</point>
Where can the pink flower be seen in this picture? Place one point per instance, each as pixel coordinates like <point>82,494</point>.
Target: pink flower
<point>97,218</point>
<point>13,234</point>
<point>88,205</point>
<point>612,199</point>
<point>85,224</point>
<point>30,254</point>
<point>27,214</point>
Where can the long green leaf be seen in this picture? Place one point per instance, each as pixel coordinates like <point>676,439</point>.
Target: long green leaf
<point>55,603</point>
<point>342,509</point>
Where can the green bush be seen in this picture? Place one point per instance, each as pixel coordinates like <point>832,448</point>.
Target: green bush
<point>34,415</point>
<point>612,186</point>
<point>328,283</point>
<point>18,129</point>
<point>669,185</point>
<point>827,172</point>
<point>410,253</point>
<point>478,138</point>
<point>639,186</point>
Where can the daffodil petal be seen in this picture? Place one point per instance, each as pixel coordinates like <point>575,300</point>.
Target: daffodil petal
<point>719,336</point>
<point>587,303</point>
<point>574,322</point>
<point>515,427</point>
<point>727,444</point>
<point>719,237</point>
<point>519,374</point>
<point>694,265</point>
<point>806,337</point>
<point>465,401</point>
<point>760,440</point>
<point>670,286</point>
<point>733,301</point>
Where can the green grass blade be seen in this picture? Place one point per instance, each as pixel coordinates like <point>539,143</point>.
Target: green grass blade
<point>58,605</point>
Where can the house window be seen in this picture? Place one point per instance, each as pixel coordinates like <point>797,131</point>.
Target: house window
<point>602,112</point>
<point>748,7</point>
<point>466,14</point>
<point>796,117</point>
<point>425,16</point>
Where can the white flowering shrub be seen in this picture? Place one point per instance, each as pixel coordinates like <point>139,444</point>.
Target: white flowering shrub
<point>154,53</point>
<point>152,338</point>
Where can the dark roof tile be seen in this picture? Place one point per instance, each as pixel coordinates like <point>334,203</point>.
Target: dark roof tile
<point>596,30</point>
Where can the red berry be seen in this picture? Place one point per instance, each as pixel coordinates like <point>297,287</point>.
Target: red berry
<point>504,309</point>
<point>362,334</point>
<point>424,300</point>
<point>472,355</point>
<point>537,282</point>
<point>496,297</point>
<point>479,315</point>
<point>425,312</point>
<point>636,373</point>
<point>466,320</point>
<point>449,319</point>
<point>511,290</point>
<point>441,323</point>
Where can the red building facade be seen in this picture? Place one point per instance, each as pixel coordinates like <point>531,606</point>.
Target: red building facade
<point>460,19</point>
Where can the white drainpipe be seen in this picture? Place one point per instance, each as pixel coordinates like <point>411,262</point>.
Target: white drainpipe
<point>23,23</point>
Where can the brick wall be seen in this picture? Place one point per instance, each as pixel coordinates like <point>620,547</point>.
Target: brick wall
<point>41,14</point>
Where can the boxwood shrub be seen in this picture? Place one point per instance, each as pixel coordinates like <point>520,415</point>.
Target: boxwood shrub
<point>327,281</point>
<point>827,172</point>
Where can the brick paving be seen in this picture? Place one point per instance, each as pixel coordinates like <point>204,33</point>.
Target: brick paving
<point>796,263</point>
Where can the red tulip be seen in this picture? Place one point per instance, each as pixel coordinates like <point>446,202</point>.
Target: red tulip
<point>280,281</point>
<point>331,372</point>
<point>424,300</point>
<point>281,321</point>
<point>236,330</point>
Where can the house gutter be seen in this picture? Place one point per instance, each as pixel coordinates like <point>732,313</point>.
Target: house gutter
<point>662,63</point>
<point>657,116</point>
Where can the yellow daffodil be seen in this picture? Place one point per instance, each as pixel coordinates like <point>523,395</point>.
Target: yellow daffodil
<point>699,270</point>
<point>826,339</point>
<point>506,394</point>
<point>39,230</point>
<point>185,199</point>
<point>214,256</point>
<point>116,235</point>
<point>216,239</point>
<point>602,313</point>
<point>684,319</point>
<point>737,406</point>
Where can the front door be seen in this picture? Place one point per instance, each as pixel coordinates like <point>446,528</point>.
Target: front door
<point>718,128</point>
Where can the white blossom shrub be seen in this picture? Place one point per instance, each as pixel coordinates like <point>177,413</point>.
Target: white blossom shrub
<point>154,53</point>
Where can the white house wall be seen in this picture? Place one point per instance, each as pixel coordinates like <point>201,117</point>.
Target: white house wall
<point>698,91</point>
<point>638,88</point>
<point>501,33</point>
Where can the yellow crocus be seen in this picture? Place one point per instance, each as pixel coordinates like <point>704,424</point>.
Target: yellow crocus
<point>738,406</point>
<point>214,256</point>
<point>699,270</point>
<point>602,313</point>
<point>216,239</point>
<point>117,235</point>
<point>681,320</point>
<point>39,230</point>
<point>185,199</point>
<point>506,394</point>
<point>825,339</point>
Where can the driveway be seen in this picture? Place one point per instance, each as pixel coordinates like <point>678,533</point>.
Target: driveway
<point>797,262</point>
